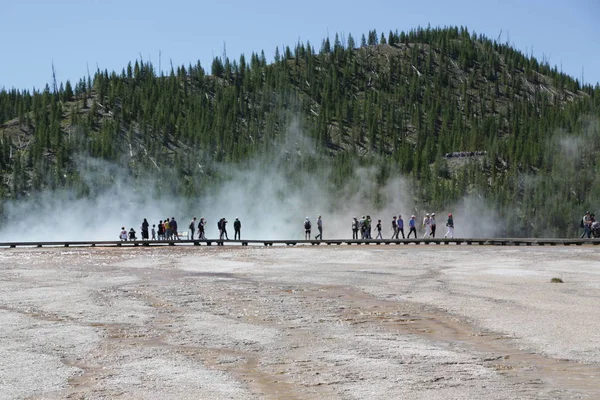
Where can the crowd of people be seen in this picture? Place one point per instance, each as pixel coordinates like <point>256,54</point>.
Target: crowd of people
<point>168,230</point>
<point>361,229</point>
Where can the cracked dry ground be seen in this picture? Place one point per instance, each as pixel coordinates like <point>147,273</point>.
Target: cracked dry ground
<point>298,323</point>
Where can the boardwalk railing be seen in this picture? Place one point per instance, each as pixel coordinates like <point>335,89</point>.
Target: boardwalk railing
<point>218,242</point>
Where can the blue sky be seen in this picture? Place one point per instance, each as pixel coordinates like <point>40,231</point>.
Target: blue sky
<point>75,34</point>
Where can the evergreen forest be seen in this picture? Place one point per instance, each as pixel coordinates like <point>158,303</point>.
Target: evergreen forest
<point>454,112</point>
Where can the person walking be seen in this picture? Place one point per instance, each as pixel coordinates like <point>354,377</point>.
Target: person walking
<point>450,225</point>
<point>400,223</point>
<point>222,225</point>
<point>355,228</point>
<point>394,228</point>
<point>320,228</point>
<point>378,229</point>
<point>153,232</point>
<point>369,227</point>
<point>432,223</point>
<point>412,225</point>
<point>427,226</point>
<point>192,227</point>
<point>237,228</point>
<point>225,222</point>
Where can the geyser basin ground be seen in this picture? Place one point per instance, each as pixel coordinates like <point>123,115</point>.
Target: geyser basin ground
<point>308,323</point>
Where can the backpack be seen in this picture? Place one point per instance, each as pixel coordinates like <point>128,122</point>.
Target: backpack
<point>581,223</point>
<point>191,225</point>
<point>307,225</point>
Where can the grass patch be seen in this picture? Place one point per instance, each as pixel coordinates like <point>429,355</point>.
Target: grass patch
<point>556,280</point>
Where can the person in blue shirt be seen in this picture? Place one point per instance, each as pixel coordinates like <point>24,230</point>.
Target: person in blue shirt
<point>412,224</point>
<point>400,223</point>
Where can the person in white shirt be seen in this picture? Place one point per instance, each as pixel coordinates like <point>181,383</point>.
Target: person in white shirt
<point>586,224</point>
<point>427,225</point>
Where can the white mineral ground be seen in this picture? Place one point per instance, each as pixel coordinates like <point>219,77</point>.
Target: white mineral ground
<point>313,322</point>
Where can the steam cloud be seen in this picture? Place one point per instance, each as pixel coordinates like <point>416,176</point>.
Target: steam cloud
<point>271,196</point>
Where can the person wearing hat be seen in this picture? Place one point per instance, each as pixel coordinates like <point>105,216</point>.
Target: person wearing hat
<point>412,224</point>
<point>586,223</point>
<point>307,227</point>
<point>427,226</point>
<point>432,221</point>
<point>450,225</point>
<point>237,228</point>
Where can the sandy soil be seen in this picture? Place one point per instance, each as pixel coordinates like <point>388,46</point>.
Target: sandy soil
<point>340,322</point>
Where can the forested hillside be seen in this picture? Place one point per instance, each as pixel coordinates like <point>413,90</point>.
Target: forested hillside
<point>456,113</point>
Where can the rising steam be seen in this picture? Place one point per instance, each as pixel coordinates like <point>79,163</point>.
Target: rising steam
<point>270,194</point>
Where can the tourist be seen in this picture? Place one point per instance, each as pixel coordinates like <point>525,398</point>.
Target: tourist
<point>320,228</point>
<point>237,228</point>
<point>450,225</point>
<point>412,224</point>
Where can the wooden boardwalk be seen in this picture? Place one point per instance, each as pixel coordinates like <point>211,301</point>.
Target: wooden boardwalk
<point>217,242</point>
